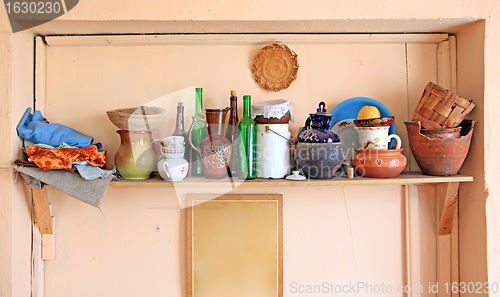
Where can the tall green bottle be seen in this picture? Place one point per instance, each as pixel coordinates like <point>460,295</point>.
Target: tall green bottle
<point>199,133</point>
<point>246,128</point>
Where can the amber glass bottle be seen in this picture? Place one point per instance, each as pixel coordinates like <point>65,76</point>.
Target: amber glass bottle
<point>231,134</point>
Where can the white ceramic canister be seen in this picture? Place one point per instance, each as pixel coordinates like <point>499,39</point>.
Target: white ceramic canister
<point>272,153</point>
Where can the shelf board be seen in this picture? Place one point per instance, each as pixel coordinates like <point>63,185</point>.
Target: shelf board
<point>405,178</point>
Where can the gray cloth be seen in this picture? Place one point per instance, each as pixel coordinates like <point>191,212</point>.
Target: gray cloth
<point>91,192</point>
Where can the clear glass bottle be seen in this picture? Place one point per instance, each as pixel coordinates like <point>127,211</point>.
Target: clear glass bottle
<point>246,128</point>
<point>198,134</point>
<point>231,134</point>
<point>179,130</point>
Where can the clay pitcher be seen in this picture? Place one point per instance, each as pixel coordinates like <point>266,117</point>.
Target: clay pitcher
<point>215,149</point>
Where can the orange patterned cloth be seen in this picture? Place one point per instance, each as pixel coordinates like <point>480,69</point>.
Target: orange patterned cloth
<point>63,158</point>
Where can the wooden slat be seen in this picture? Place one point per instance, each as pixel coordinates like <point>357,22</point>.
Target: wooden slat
<point>192,39</point>
<point>450,199</point>
<point>455,256</point>
<point>404,179</point>
<point>443,248</point>
<point>412,239</point>
<point>40,77</point>
<point>42,211</point>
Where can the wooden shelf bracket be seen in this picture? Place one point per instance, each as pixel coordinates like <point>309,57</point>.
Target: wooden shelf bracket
<point>44,221</point>
<point>450,202</point>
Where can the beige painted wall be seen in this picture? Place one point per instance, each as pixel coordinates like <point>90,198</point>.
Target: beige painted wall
<point>390,15</point>
<point>15,213</point>
<point>337,235</point>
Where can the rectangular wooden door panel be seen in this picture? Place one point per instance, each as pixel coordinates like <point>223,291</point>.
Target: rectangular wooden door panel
<point>234,246</point>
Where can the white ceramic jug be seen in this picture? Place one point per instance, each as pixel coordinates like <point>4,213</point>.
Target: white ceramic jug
<point>173,167</point>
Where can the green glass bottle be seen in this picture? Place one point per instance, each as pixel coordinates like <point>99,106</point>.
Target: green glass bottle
<point>246,128</point>
<point>199,133</point>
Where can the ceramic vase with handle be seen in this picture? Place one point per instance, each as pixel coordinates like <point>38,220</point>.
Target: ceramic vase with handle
<point>215,150</point>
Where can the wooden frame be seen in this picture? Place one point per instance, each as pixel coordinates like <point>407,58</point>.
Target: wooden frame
<point>204,233</point>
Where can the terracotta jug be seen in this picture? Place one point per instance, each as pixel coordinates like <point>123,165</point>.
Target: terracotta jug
<point>215,149</point>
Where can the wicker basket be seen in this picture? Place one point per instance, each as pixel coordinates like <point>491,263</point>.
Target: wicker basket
<point>439,108</point>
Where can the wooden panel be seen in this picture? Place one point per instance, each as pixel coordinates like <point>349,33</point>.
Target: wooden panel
<point>428,237</point>
<point>422,68</point>
<point>235,245</point>
<point>412,235</point>
<point>40,78</point>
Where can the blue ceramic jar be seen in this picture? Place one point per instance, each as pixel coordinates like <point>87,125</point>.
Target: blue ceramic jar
<point>319,153</point>
<point>317,127</point>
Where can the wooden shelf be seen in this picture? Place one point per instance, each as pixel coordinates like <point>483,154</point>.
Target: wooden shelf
<point>193,182</point>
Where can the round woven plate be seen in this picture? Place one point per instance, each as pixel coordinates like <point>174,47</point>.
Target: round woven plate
<point>275,67</point>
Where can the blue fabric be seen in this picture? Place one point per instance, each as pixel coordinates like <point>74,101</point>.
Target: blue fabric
<point>35,128</point>
<point>89,172</point>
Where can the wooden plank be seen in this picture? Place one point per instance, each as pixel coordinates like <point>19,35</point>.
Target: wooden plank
<point>42,210</point>
<point>443,248</point>
<point>414,240</point>
<point>40,71</point>
<point>427,237</point>
<point>176,39</point>
<point>404,179</point>
<point>48,244</point>
<point>453,63</point>
<point>445,76</point>
<point>406,237</point>
<point>189,252</point>
<point>450,199</point>
<point>421,69</point>
<point>454,258</point>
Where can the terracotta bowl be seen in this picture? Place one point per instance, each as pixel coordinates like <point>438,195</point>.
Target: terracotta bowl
<point>137,118</point>
<point>439,156</point>
<point>376,122</point>
<point>379,163</point>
